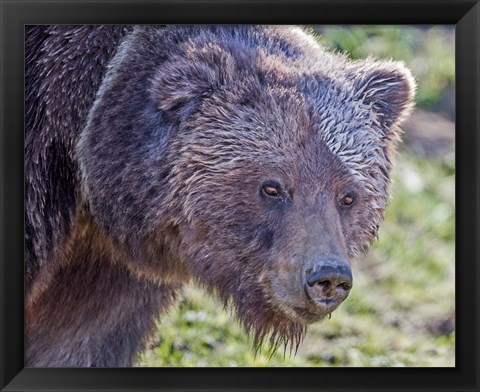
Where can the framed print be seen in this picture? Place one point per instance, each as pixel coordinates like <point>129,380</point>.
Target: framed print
<point>239,196</point>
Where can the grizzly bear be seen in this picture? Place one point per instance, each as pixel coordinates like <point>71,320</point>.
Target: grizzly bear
<point>245,158</point>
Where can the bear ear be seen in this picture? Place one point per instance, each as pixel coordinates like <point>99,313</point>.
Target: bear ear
<point>185,79</point>
<point>388,87</point>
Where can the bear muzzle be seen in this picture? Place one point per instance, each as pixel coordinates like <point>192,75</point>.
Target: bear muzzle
<point>307,292</point>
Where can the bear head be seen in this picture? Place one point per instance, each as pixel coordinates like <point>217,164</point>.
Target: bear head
<point>249,158</point>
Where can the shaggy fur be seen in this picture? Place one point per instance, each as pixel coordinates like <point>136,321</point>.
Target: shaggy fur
<point>146,151</point>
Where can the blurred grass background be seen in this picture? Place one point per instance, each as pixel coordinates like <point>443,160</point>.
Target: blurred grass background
<point>401,309</point>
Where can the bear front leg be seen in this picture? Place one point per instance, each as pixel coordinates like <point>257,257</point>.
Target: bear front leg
<point>93,313</point>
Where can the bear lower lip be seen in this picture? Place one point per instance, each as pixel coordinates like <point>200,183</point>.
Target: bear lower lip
<point>309,316</point>
<point>324,306</point>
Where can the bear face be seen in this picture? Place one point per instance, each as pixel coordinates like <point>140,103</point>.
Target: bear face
<point>250,159</point>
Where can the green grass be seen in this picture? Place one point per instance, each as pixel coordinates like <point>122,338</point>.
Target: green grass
<point>403,294</point>
<point>429,53</point>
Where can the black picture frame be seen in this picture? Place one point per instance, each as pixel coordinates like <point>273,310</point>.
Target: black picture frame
<point>465,14</point>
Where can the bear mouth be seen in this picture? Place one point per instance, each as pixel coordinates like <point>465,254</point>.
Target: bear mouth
<point>308,316</point>
<point>296,305</point>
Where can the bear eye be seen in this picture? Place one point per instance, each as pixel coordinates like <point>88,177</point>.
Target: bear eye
<point>272,189</point>
<point>347,200</point>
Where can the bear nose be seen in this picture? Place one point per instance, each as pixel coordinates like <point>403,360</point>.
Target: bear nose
<point>329,284</point>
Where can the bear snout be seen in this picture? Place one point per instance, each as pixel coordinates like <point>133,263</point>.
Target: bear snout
<point>318,288</point>
<point>328,284</point>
